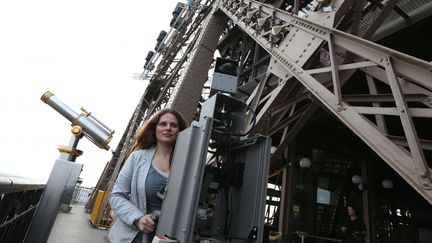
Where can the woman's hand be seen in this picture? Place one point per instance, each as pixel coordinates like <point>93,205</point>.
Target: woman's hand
<point>343,228</point>
<point>145,224</point>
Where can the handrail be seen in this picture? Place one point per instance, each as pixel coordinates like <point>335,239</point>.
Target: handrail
<point>14,184</point>
<point>303,235</point>
<point>19,198</point>
<point>277,235</point>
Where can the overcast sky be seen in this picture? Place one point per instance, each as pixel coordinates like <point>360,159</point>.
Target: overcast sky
<point>85,52</point>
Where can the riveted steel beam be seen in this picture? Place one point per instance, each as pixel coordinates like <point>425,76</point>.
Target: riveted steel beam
<point>313,35</point>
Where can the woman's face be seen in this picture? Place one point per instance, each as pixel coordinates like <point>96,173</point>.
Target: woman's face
<point>351,211</point>
<point>167,129</point>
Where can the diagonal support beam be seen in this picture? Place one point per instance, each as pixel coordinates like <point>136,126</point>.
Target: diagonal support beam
<point>409,129</point>
<point>254,98</point>
<point>307,114</point>
<point>335,73</point>
<point>412,69</point>
<point>188,89</point>
<point>379,118</point>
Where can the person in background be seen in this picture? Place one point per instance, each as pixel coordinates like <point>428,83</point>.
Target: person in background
<point>354,228</point>
<point>145,173</point>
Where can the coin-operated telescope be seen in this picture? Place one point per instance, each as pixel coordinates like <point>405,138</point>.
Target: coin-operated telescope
<point>93,129</point>
<point>65,173</point>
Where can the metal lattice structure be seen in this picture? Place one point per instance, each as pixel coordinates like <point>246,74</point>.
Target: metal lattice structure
<point>300,56</point>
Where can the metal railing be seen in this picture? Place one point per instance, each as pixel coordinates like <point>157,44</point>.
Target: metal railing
<point>19,199</point>
<point>81,195</point>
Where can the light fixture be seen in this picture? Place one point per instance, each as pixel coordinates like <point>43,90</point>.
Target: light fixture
<point>305,162</point>
<point>356,179</point>
<point>387,184</point>
<point>273,150</point>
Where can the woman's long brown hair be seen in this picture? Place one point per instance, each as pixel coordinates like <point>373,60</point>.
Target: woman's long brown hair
<point>145,137</point>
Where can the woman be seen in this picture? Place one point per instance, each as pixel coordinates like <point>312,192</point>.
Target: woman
<point>144,173</point>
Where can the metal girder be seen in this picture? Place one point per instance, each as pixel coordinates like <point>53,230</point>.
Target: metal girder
<point>358,14</point>
<point>152,100</point>
<point>380,19</point>
<point>255,96</point>
<point>411,166</point>
<point>172,80</point>
<point>274,97</point>
<point>381,125</point>
<point>290,136</point>
<point>408,87</point>
<point>410,132</point>
<point>189,87</point>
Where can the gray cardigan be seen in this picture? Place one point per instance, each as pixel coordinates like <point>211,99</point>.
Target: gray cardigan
<point>128,197</point>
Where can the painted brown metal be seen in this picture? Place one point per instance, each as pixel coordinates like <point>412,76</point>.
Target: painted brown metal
<point>411,69</point>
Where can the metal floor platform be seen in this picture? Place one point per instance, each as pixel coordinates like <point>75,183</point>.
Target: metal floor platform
<point>75,227</point>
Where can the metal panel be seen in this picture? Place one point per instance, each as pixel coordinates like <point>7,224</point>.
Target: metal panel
<point>184,185</point>
<point>248,201</point>
<point>63,173</point>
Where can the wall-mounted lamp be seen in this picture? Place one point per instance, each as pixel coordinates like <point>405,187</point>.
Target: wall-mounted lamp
<point>305,163</point>
<point>273,150</point>
<point>357,180</point>
<point>387,184</point>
